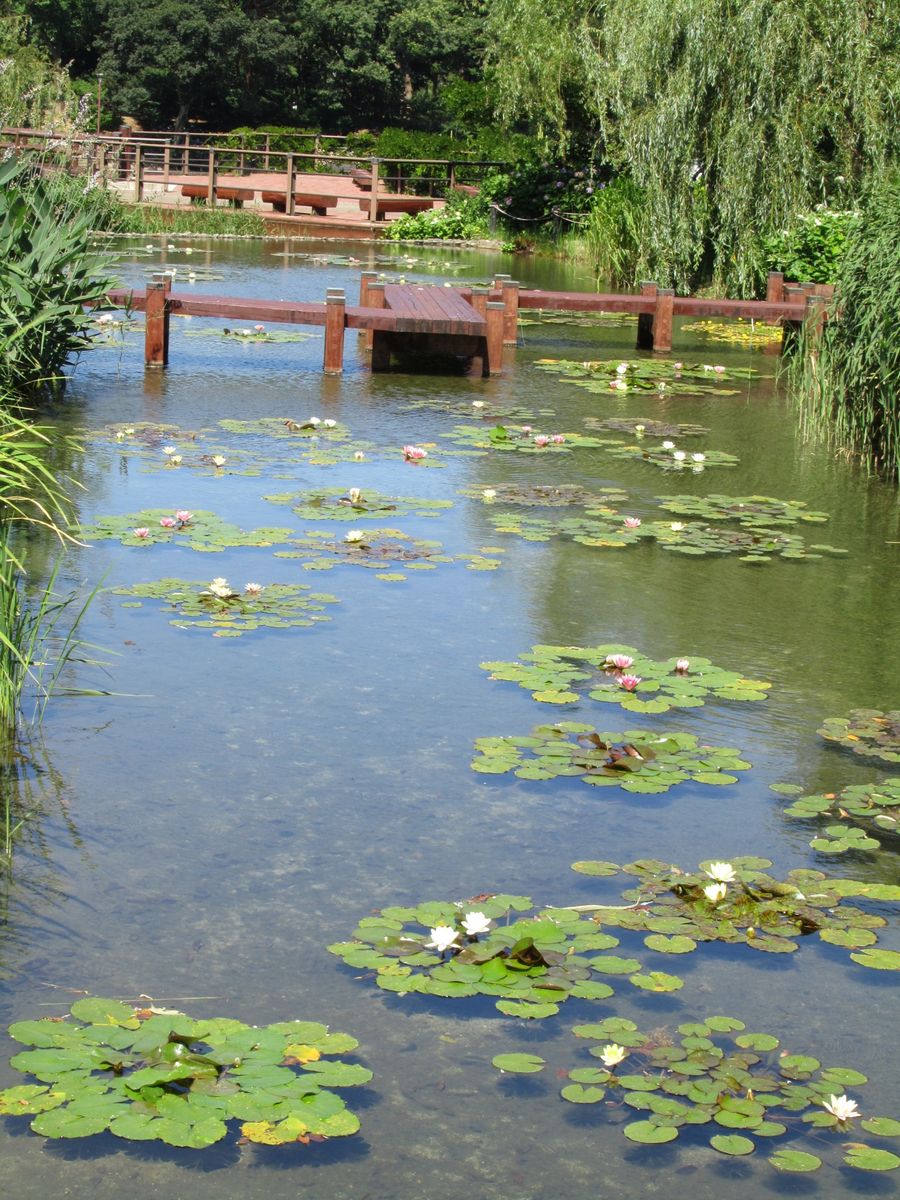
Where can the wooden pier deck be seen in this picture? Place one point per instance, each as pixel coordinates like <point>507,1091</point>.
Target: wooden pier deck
<point>468,323</point>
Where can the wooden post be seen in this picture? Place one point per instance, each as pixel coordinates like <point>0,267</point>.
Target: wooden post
<point>266,159</point>
<point>662,319</point>
<point>138,173</point>
<point>156,323</point>
<point>814,320</point>
<point>373,197</point>
<point>289,187</point>
<point>494,315</point>
<point>366,279</point>
<point>645,320</point>
<point>335,306</point>
<point>451,176</point>
<point>510,293</point>
<point>479,301</point>
<point>375,300</point>
<point>167,162</point>
<point>211,178</point>
<point>318,150</point>
<point>775,287</point>
<point>793,292</point>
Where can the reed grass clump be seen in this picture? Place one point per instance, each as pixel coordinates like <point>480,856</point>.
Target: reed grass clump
<point>848,380</point>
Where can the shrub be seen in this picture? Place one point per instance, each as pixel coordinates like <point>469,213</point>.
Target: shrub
<point>812,250</point>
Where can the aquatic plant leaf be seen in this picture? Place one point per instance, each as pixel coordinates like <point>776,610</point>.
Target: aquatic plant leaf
<point>670,945</point>
<point>546,495</point>
<point>321,550</point>
<point>860,804</point>
<point>870,1158</point>
<point>337,504</point>
<point>594,866</point>
<point>195,605</point>
<point>648,1134</point>
<point>204,531</point>
<point>882,1126</point>
<point>519,1064</point>
<point>657,981</point>
<point>577,1093</point>
<point>732,1144</point>
<point>795,1160</point>
<point>750,512</point>
<point>878,960</point>
<point>168,1078</point>
<point>648,427</point>
<point>523,439</point>
<point>866,731</point>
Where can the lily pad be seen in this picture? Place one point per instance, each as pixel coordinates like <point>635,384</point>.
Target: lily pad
<point>750,512</point>
<point>674,458</point>
<point>870,1158</point>
<point>144,1074</point>
<point>377,549</point>
<point>732,1143</point>
<point>795,1160</point>
<point>524,439</point>
<point>648,427</point>
<point>546,496</point>
<point>219,608</point>
<point>875,806</point>
<point>613,673</point>
<point>360,504</point>
<point>866,731</point>
<point>635,760</point>
<point>199,530</point>
<point>519,1064</point>
<point>736,332</point>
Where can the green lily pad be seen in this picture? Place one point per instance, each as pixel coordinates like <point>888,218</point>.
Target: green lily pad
<point>361,504</point>
<point>732,1143</point>
<point>519,1064</point>
<point>750,512</point>
<point>648,1134</point>
<point>795,1160</point>
<point>867,732</point>
<point>199,530</point>
<point>576,1093</point>
<point>869,1158</point>
<point>199,605</point>
<point>523,438</point>
<point>546,496</point>
<point>882,1126</point>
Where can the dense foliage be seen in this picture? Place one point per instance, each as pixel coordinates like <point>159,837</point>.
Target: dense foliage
<point>849,383</point>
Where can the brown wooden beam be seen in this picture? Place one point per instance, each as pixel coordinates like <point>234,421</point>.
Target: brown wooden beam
<point>335,305</point>
<point>156,325</point>
<point>662,319</point>
<point>494,361</point>
<point>510,297</point>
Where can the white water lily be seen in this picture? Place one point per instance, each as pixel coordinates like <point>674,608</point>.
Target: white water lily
<point>253,589</point>
<point>353,495</point>
<point>478,404</point>
<point>174,459</point>
<point>442,938</point>
<point>476,922</point>
<point>699,457</point>
<point>841,1107</point>
<point>613,1054</point>
<point>679,455</point>
<point>358,455</point>
<point>668,445</point>
<point>221,589</point>
<point>354,535</point>
<point>329,424</point>
<point>677,526</point>
<point>722,872</point>
<point>314,421</point>
<point>621,368</point>
<point>489,494</point>
<point>170,449</point>
<point>219,460</point>
<point>714,892</point>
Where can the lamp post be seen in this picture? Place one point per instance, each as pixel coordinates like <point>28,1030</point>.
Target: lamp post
<point>99,97</point>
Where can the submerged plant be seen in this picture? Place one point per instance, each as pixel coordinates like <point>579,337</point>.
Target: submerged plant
<point>551,673</point>
<point>713,1072</point>
<point>148,1074</point>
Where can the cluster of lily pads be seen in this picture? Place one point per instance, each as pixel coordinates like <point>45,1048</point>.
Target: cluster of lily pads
<point>859,804</point>
<point>866,731</point>
<point>714,1072</point>
<point>378,549</point>
<point>623,675</point>
<point>668,457</point>
<point>736,332</point>
<point>230,612</point>
<point>147,1074</point>
<point>539,495</point>
<point>647,427</point>
<point>648,375</point>
<point>750,512</point>
<point>200,530</point>
<point>524,439</point>
<point>636,760</point>
<point>355,504</point>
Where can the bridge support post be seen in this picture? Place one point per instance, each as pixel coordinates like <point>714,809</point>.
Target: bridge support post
<point>509,290</point>
<point>335,306</point>
<point>211,179</point>
<point>662,319</point>
<point>289,190</point>
<point>479,300</point>
<point>375,300</point>
<point>494,315</point>
<point>373,196</point>
<point>645,320</point>
<point>156,323</point>
<point>366,279</point>
<point>775,287</point>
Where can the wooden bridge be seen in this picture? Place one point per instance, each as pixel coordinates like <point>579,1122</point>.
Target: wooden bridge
<point>469,323</point>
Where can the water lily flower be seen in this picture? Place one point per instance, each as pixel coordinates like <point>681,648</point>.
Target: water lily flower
<point>169,449</point>
<point>141,532</point>
<point>697,468</point>
<point>620,385</point>
<point>613,1054</point>
<point>478,404</point>
<point>258,328</point>
<point>541,440</point>
<point>253,589</point>
<point>476,922</point>
<point>184,516</point>
<point>620,661</point>
<point>219,460</point>
<point>314,421</point>
<point>661,387</point>
<point>714,892</point>
<point>677,366</point>
<point>707,366</point>
<point>629,682</point>
<point>721,872</point>
<point>526,429</point>
<point>668,445</point>
<point>622,368</point>
<point>632,522</point>
<point>414,453</point>
<point>489,494</point>
<point>129,430</point>
<point>558,439</point>
<point>679,455</point>
<point>719,369</point>
<point>684,664</point>
<point>698,457</point>
<point>221,589</point>
<point>442,938</point>
<point>168,522</point>
<point>329,423</point>
<point>175,459</point>
<point>354,535</point>
<point>677,526</point>
<point>354,495</point>
<point>120,436</point>
<point>639,430</point>
<point>358,455</point>
<point>841,1107</point>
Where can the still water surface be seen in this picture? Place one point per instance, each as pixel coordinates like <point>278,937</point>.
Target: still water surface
<point>241,803</point>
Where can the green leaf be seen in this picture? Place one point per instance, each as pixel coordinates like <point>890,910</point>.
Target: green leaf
<point>514,1008</point>
<point>732,1144</point>
<point>577,1094</point>
<point>520,1064</point>
<point>794,1160</point>
<point>879,960</point>
<point>648,1134</point>
<point>595,867</point>
<point>882,1126</point>
<point>867,1158</point>
<point>670,945</point>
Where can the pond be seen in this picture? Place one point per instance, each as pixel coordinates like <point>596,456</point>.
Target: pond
<point>239,803</point>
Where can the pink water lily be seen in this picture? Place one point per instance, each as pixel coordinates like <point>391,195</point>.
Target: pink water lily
<point>541,440</point>
<point>620,661</point>
<point>184,516</point>
<point>260,328</point>
<point>414,453</point>
<point>526,429</point>
<point>168,522</point>
<point>558,439</point>
<point>632,522</point>
<point>683,664</point>
<point>253,589</point>
<point>629,682</point>
<point>141,532</point>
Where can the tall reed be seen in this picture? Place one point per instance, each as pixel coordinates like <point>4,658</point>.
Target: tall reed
<point>848,381</point>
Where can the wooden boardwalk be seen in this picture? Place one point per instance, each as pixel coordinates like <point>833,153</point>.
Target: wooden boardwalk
<point>464,323</point>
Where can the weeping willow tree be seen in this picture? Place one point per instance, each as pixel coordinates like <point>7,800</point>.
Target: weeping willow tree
<point>848,381</point>
<point>732,118</point>
<point>34,92</point>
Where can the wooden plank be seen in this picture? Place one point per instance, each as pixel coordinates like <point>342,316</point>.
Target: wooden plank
<point>334,334</point>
